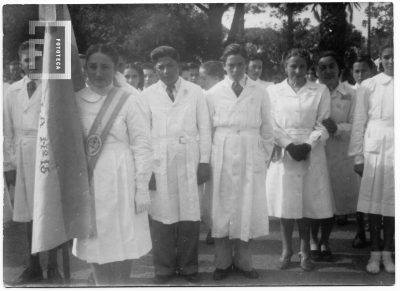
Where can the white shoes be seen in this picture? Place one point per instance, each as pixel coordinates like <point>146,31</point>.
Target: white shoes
<point>375,261</point>
<point>388,262</point>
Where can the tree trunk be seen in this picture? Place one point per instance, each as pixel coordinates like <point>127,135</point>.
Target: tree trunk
<point>214,48</point>
<point>290,35</point>
<point>236,33</point>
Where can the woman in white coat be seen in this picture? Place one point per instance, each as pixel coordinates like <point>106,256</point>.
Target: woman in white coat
<point>298,185</point>
<point>362,68</point>
<point>344,182</point>
<point>372,145</point>
<point>120,177</point>
<point>242,145</point>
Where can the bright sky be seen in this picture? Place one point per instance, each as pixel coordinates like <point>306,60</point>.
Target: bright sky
<point>264,20</point>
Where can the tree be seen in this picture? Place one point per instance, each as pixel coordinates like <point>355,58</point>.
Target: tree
<point>333,24</point>
<point>236,33</point>
<point>289,10</point>
<point>214,12</point>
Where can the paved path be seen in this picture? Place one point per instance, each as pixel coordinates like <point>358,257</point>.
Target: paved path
<point>348,267</point>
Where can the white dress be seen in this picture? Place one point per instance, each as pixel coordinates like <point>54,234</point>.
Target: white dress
<point>299,189</point>
<point>242,145</point>
<point>345,182</point>
<point>372,143</point>
<point>124,166</point>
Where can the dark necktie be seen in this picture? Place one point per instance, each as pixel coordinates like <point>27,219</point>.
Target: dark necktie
<point>31,88</point>
<point>237,88</point>
<point>170,92</point>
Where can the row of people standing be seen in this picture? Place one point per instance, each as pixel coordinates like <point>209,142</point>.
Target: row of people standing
<point>174,130</point>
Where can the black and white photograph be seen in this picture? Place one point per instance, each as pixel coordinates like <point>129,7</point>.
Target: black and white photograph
<point>186,145</point>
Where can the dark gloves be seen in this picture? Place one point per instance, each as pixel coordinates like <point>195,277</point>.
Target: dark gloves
<point>203,173</point>
<point>359,169</point>
<point>152,183</point>
<point>330,125</point>
<point>299,152</point>
<point>10,177</point>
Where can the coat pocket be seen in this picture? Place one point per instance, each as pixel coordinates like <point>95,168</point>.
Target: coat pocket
<point>373,146</point>
<point>259,158</point>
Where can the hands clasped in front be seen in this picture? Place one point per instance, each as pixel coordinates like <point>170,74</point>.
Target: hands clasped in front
<point>330,125</point>
<point>299,152</point>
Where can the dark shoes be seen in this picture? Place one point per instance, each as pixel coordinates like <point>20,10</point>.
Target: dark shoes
<point>341,220</point>
<point>209,238</point>
<point>252,274</point>
<point>194,277</point>
<point>316,255</point>
<point>30,276</point>
<point>161,279</point>
<point>359,241</point>
<point>305,264</point>
<point>221,274</point>
<point>284,262</point>
<point>327,256</point>
<point>54,277</point>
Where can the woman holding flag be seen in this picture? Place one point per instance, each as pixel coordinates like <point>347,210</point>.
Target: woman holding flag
<point>119,152</point>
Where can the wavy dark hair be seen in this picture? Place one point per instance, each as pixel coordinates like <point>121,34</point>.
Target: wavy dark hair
<point>140,72</point>
<point>296,52</point>
<point>334,56</point>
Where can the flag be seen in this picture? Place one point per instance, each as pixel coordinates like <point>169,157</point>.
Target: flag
<point>63,204</point>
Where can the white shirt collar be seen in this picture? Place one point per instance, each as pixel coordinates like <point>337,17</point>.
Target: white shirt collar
<point>177,84</point>
<point>242,82</point>
<point>382,78</point>
<point>92,96</point>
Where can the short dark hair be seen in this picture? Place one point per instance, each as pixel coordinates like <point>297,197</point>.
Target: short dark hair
<point>183,67</point>
<point>164,51</point>
<point>104,49</point>
<point>333,55</point>
<point>193,66</point>
<point>148,66</point>
<point>214,69</point>
<point>233,49</point>
<point>387,43</point>
<point>14,63</point>
<point>25,46</point>
<point>364,59</point>
<point>253,57</point>
<point>296,52</point>
<point>140,72</point>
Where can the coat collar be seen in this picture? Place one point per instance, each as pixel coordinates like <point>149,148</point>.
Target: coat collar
<point>23,97</point>
<point>382,78</point>
<point>285,89</point>
<point>247,89</point>
<point>183,90</point>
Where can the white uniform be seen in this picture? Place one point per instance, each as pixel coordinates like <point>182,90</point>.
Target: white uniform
<point>123,167</point>
<point>242,145</point>
<point>264,84</point>
<point>345,182</point>
<point>299,189</point>
<point>21,121</point>
<point>372,143</point>
<point>181,134</point>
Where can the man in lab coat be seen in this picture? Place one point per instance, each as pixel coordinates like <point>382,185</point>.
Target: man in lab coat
<point>179,114</point>
<point>21,120</point>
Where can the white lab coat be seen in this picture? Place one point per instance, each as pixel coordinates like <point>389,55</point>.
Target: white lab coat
<point>21,121</point>
<point>264,84</point>
<point>299,189</point>
<point>123,167</point>
<point>372,143</point>
<point>345,182</point>
<point>181,134</point>
<point>242,145</point>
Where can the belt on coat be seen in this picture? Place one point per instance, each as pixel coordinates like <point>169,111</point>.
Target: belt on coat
<point>238,131</point>
<point>293,130</point>
<point>183,139</point>
<point>384,122</point>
